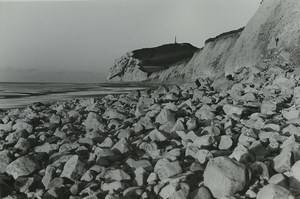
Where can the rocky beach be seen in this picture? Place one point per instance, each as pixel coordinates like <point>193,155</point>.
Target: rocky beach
<point>217,122</point>
<point>190,141</point>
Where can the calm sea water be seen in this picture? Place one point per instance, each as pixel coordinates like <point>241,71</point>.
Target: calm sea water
<point>19,95</point>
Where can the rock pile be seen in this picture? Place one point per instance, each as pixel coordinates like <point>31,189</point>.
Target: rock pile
<point>178,142</point>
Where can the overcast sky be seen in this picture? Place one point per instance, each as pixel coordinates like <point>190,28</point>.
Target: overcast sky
<point>90,35</point>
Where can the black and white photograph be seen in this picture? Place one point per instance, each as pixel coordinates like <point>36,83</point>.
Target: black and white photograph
<point>149,99</point>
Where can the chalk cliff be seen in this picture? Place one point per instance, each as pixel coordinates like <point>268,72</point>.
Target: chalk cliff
<point>138,65</point>
<point>271,38</point>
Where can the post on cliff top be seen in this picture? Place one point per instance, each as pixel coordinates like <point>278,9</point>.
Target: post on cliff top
<point>175,40</point>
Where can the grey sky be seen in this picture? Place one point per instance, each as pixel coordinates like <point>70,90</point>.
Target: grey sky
<point>90,35</point>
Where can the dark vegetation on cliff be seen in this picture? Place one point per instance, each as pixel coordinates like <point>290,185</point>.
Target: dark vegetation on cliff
<point>224,34</point>
<point>161,57</point>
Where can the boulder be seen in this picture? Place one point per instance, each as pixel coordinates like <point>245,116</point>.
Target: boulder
<point>56,192</point>
<point>233,111</point>
<point>291,113</point>
<point>49,174</point>
<point>204,141</point>
<point>55,119</point>
<point>297,97</point>
<point>201,193</point>
<point>152,178</point>
<point>116,175</point>
<point>203,156</point>
<point>139,112</point>
<point>285,84</point>
<point>165,116</point>
<point>283,161</point>
<point>6,158</point>
<point>271,127</point>
<point>15,136</point>
<point>295,171</point>
<point>20,126</point>
<point>242,154</point>
<point>162,90</point>
<point>131,192</point>
<point>279,179</point>
<point>168,191</point>
<point>191,124</point>
<point>23,166</point>
<point>295,178</point>
<point>211,130</point>
<point>205,114</point>
<point>224,176</point>
<point>107,143</point>
<point>140,176</point>
<point>122,146</point>
<point>179,125</point>
<point>23,184</point>
<point>92,122</point>
<point>135,164</point>
<point>165,169</point>
<point>155,135</point>
<point>291,130</point>
<point>46,148</point>
<point>113,114</point>
<point>73,169</point>
<point>225,142</point>
<point>268,107</point>
<point>171,106</point>
<point>272,191</point>
<point>6,127</point>
<point>23,145</point>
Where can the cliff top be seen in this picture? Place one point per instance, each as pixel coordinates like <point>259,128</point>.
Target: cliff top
<point>164,55</point>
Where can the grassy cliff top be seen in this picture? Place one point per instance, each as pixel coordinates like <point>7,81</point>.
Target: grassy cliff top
<point>164,56</point>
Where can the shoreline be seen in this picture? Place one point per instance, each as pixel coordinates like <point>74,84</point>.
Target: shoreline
<point>14,97</point>
<point>171,142</point>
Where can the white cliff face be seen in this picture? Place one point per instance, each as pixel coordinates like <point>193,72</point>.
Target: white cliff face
<point>210,61</point>
<point>206,62</point>
<point>118,68</point>
<point>271,37</point>
<point>128,69</point>
<point>175,72</point>
<point>134,74</point>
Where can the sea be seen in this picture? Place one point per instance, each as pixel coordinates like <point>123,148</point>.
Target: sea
<point>20,95</point>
